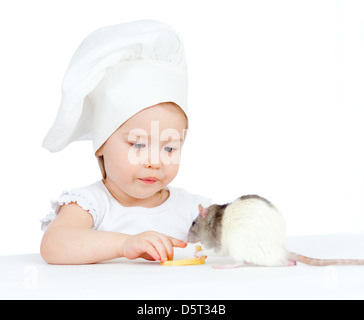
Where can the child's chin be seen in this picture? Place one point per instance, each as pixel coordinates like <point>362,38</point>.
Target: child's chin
<point>145,192</point>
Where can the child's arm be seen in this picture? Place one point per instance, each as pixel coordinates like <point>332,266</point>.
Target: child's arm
<point>69,239</point>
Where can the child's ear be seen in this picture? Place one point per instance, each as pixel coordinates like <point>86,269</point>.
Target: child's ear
<point>100,159</point>
<point>99,152</point>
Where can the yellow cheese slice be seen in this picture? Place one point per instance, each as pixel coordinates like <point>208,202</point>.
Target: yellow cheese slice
<point>185,262</point>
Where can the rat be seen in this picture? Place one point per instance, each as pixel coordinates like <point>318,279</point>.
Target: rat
<point>252,231</point>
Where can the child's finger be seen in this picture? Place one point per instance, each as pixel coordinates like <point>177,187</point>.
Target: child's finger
<point>169,243</point>
<point>160,247</point>
<point>147,256</point>
<point>169,247</point>
<point>178,243</point>
<point>151,250</point>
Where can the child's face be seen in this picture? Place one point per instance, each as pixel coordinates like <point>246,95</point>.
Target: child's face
<point>142,156</point>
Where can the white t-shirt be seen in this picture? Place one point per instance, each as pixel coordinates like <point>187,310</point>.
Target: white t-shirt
<point>173,217</point>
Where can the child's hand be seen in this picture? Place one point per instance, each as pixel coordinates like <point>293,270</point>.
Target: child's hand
<point>151,245</point>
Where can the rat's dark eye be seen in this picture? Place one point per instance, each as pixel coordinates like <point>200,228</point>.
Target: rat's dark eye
<point>193,223</point>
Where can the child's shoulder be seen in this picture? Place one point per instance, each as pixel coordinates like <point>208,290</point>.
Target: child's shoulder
<point>91,195</point>
<point>96,190</point>
<point>182,196</point>
<point>91,198</point>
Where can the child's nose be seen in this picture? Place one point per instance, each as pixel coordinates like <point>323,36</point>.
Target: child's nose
<point>154,160</point>
<point>151,165</point>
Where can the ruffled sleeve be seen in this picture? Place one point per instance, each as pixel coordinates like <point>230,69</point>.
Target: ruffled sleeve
<point>84,197</point>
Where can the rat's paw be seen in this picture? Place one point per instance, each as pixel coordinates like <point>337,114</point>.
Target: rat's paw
<point>199,254</point>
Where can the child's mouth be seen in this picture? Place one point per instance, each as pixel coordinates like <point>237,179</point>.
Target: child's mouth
<point>149,180</point>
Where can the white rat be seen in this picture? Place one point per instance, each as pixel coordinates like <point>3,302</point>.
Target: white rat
<point>252,231</point>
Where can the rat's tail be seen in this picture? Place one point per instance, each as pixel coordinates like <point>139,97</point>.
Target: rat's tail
<point>324,262</point>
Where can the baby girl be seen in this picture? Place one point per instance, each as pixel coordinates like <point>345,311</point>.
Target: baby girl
<point>126,90</point>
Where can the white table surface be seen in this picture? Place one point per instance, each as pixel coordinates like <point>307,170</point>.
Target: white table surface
<point>29,277</point>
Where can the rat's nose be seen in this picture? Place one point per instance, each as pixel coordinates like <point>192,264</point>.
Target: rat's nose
<point>192,238</point>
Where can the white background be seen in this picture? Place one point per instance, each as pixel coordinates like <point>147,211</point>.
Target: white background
<point>276,106</point>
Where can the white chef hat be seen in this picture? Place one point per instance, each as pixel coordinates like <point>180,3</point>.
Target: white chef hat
<point>116,72</point>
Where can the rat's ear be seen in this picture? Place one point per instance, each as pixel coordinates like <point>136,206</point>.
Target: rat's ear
<point>203,211</point>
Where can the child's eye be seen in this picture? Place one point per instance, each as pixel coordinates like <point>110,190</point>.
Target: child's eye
<point>138,145</point>
<point>169,149</point>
